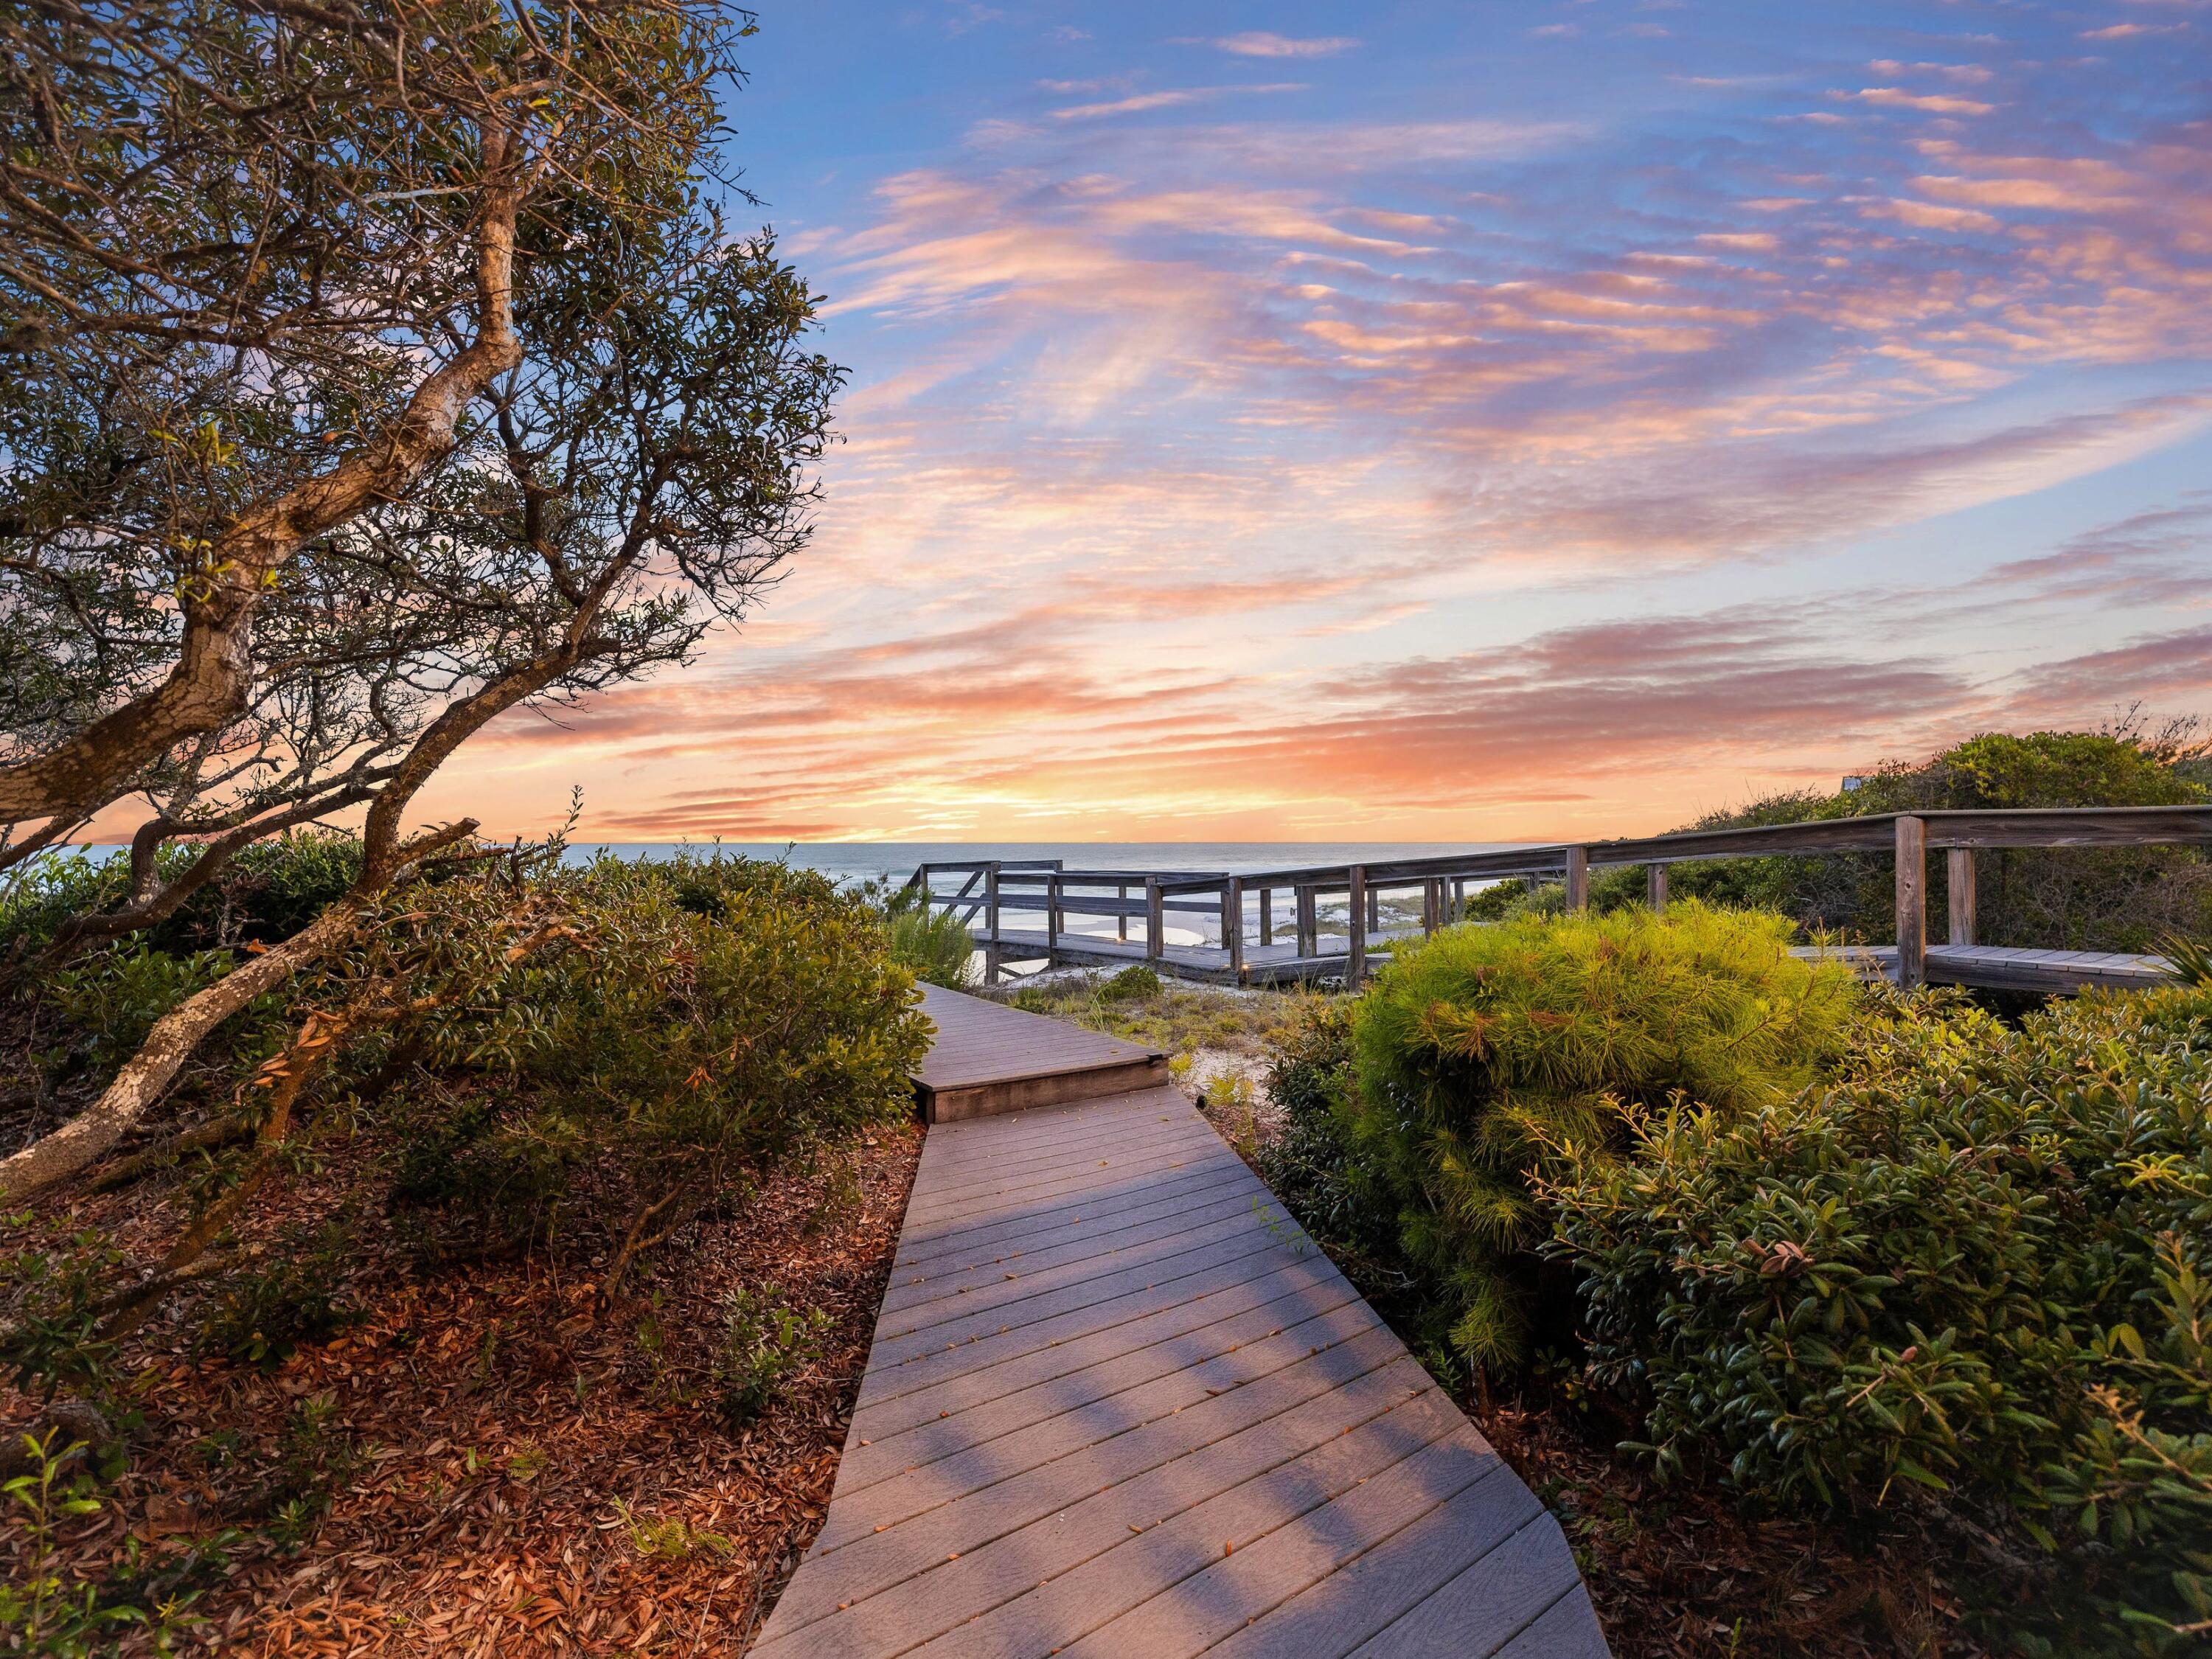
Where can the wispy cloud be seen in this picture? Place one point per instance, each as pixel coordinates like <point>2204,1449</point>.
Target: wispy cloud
<point>1168,99</point>
<point>1260,43</point>
<point>1934,102</point>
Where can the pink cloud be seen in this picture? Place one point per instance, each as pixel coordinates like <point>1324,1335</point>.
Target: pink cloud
<point>1259,43</point>
<point>1935,103</point>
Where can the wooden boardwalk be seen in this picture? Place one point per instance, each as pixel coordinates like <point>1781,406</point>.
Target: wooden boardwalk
<point>1120,1405</point>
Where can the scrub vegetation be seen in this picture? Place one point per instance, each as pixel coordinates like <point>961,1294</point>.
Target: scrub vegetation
<point>472,1139</point>
<point>1890,1314</point>
<point>2077,899</point>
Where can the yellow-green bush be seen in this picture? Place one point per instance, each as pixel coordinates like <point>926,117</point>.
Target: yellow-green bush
<point>1486,1055</point>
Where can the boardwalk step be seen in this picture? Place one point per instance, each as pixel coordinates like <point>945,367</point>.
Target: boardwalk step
<point>988,1059</point>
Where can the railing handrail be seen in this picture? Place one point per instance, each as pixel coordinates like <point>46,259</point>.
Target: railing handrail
<point>1988,828</point>
<point>1908,837</point>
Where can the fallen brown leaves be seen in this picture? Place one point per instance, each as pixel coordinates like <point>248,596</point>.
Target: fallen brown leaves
<point>508,1469</point>
<point>1678,1573</point>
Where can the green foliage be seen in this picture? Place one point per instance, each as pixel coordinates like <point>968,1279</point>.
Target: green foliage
<point>671,1538</point>
<point>700,1015</point>
<point>1510,900</point>
<point>1489,1053</point>
<point>268,892</point>
<point>2074,898</point>
<point>313,1464</point>
<point>1309,1163</point>
<point>110,999</point>
<point>766,1341</point>
<point>51,1339</point>
<point>263,1318</point>
<point>1973,1266</point>
<point>41,1611</point>
<point>932,944</point>
<point>1132,984</point>
<point>2189,958</point>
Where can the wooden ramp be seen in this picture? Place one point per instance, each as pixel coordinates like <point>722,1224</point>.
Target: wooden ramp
<point>1120,1405</point>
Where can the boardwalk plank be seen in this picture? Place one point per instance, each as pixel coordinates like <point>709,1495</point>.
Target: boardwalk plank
<point>992,1445</point>
<point>1483,1608</point>
<point>1273,1294</point>
<point>1042,1293</point>
<point>915,1290</point>
<point>946,1429</point>
<point>1127,1571</point>
<point>1446,1485</point>
<point>1569,1630</point>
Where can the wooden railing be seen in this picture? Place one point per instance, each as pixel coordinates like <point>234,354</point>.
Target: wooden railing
<point>1045,887</point>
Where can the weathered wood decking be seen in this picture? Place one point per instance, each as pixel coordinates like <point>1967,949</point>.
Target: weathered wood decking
<point>988,1059</point>
<point>1119,1404</point>
<point>2002,968</point>
<point>1262,964</point>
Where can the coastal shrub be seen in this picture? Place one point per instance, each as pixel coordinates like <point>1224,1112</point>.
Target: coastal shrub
<point>262,1318</point>
<point>1486,1054</point>
<point>701,1016</point>
<point>1309,1162</point>
<point>2066,898</point>
<point>266,892</point>
<point>934,946</point>
<point>1132,984</point>
<point>1972,1270</point>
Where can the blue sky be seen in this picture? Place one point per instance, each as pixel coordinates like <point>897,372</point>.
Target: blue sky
<point>1451,421</point>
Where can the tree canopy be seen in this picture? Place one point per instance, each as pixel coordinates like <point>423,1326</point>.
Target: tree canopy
<point>372,369</point>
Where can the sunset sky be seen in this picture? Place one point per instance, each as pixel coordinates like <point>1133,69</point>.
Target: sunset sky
<point>1427,420</point>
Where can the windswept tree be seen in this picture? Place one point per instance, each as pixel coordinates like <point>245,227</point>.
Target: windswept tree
<point>368,369</point>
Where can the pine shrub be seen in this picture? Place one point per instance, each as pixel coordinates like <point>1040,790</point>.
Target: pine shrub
<point>1488,1055</point>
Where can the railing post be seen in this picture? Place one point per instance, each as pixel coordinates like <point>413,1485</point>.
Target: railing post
<point>1267,915</point>
<point>1122,921</point>
<point>1655,886</point>
<point>1579,878</point>
<point>1912,900</point>
<point>1432,905</point>
<point>1232,926</point>
<point>1306,919</point>
<point>1459,900</point>
<point>1374,908</point>
<point>1958,885</point>
<point>1051,916</point>
<point>991,903</point>
<point>1156,921</point>
<point>1355,960</point>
